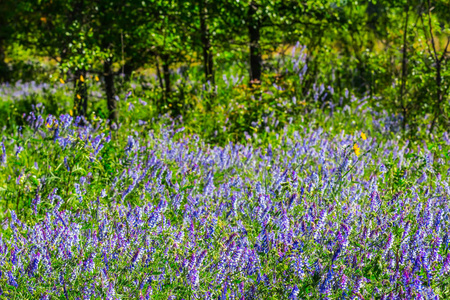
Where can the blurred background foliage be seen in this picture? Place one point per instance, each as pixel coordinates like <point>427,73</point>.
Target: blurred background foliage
<point>228,68</point>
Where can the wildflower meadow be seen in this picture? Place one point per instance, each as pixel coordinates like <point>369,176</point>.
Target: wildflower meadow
<point>224,149</point>
<point>139,213</point>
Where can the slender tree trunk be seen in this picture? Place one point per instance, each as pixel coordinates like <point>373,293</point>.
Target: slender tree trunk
<point>206,45</point>
<point>404,67</point>
<point>110,91</point>
<point>439,98</point>
<point>160,101</point>
<point>438,61</point>
<point>128,69</point>
<point>81,97</point>
<point>3,66</point>
<point>166,74</point>
<point>4,37</point>
<point>158,73</point>
<point>255,50</point>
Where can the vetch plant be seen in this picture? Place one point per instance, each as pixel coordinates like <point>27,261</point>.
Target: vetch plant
<point>94,214</point>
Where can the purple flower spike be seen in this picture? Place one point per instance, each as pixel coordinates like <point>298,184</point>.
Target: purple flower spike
<point>12,280</point>
<point>294,293</point>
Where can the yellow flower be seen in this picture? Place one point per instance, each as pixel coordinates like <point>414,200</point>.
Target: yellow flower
<point>78,96</point>
<point>356,149</point>
<point>82,78</point>
<point>96,78</point>
<point>363,136</point>
<point>44,19</point>
<point>71,112</point>
<point>62,81</point>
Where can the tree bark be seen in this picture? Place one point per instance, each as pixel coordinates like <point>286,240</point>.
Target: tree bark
<point>166,74</point>
<point>128,69</point>
<point>3,66</point>
<point>438,61</point>
<point>81,98</point>
<point>158,73</point>
<point>208,62</point>
<point>110,91</point>
<point>437,110</point>
<point>254,25</point>
<point>404,67</point>
<point>5,32</point>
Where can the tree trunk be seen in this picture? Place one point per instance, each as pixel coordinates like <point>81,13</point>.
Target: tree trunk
<point>255,50</point>
<point>110,91</point>
<point>128,69</point>
<point>4,36</point>
<point>158,73</point>
<point>81,98</point>
<point>437,109</point>
<point>404,68</point>
<point>3,66</point>
<point>166,74</point>
<point>206,45</point>
<point>438,61</point>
